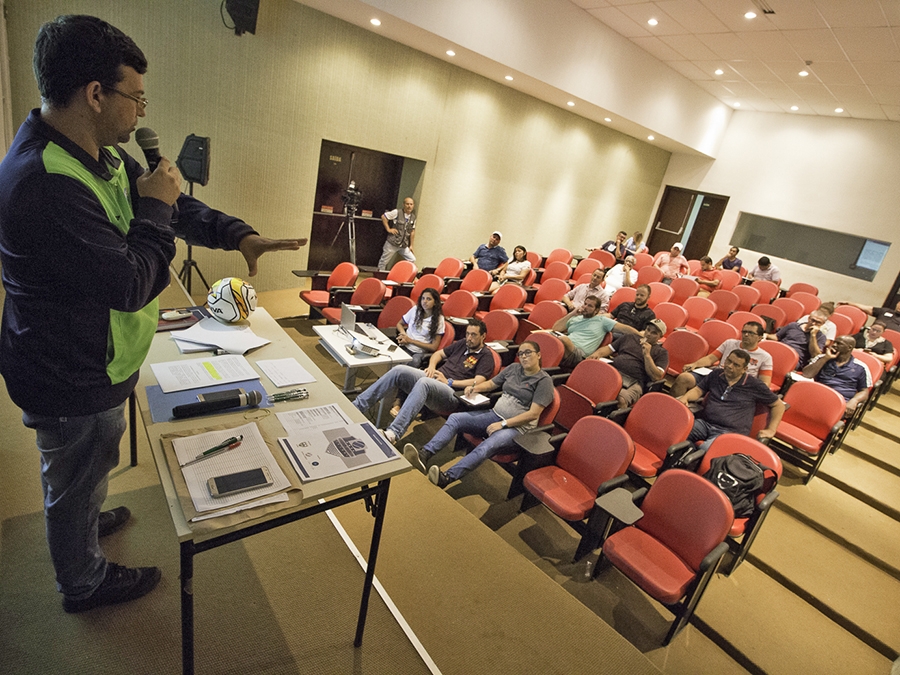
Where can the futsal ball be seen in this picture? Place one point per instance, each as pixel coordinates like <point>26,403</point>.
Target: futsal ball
<point>231,300</point>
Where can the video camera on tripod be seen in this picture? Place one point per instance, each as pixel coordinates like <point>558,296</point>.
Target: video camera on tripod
<point>351,197</point>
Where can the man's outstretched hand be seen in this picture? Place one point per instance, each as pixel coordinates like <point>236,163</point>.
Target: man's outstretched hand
<point>253,246</point>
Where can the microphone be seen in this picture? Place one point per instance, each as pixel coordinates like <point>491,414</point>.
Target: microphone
<point>237,400</point>
<point>148,140</point>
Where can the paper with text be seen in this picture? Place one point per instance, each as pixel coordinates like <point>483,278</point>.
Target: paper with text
<point>194,373</point>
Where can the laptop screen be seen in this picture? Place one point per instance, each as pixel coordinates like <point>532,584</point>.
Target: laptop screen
<point>348,318</point>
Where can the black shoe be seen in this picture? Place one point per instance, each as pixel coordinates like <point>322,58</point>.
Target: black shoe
<point>121,584</point>
<point>112,521</point>
<point>438,477</point>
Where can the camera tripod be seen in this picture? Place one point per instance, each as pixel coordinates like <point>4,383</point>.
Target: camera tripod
<point>189,264</point>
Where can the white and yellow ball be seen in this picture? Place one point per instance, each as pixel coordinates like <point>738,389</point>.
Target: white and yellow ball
<point>231,300</point>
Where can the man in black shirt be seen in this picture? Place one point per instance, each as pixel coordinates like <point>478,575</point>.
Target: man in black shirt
<point>636,314</point>
<point>890,316</point>
<point>640,359</point>
<point>872,340</point>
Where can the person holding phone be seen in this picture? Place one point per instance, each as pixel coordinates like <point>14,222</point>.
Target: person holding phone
<point>835,367</point>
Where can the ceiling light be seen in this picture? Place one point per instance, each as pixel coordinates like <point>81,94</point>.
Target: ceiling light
<point>570,103</point>
<point>737,104</point>
<point>607,119</point>
<point>750,15</point>
<point>450,52</point>
<point>838,110</point>
<point>651,138</point>
<point>509,77</point>
<point>719,71</point>
<point>653,22</point>
<point>803,73</point>
<point>793,107</point>
<point>375,22</point>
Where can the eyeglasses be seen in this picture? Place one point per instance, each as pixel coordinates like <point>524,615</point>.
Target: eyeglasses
<point>142,102</point>
<point>749,332</point>
<point>526,352</point>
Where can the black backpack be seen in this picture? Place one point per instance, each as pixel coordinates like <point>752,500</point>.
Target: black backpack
<point>741,478</point>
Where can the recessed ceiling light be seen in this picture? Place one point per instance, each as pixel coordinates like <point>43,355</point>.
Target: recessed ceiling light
<point>750,15</point>
<point>607,119</point>
<point>793,107</point>
<point>719,71</point>
<point>509,77</point>
<point>803,73</point>
<point>651,138</point>
<point>737,104</point>
<point>570,103</point>
<point>838,110</point>
<point>653,22</point>
<point>375,22</point>
<point>450,52</point>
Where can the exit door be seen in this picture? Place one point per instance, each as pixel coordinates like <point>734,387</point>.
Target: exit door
<point>689,217</point>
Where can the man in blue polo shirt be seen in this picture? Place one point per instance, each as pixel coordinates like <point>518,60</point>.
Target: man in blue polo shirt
<point>490,256</point>
<point>836,368</point>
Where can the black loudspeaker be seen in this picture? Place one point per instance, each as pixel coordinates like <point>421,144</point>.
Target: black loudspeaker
<point>193,160</point>
<point>243,13</point>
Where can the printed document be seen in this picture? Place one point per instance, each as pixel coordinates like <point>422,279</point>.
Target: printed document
<point>194,373</point>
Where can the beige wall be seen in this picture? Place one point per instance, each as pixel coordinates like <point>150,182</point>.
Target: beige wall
<point>495,158</point>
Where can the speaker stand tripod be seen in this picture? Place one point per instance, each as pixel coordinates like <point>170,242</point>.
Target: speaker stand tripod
<point>189,264</point>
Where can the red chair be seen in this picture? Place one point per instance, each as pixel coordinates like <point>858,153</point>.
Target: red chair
<point>460,304</point>
<point>584,279</point>
<point>586,266</point>
<point>544,315</point>
<point>793,309</point>
<point>551,290</point>
<point>694,267</point>
<point>843,324</point>
<point>508,296</point>
<point>530,278</point>
<point>674,316</point>
<point>556,270</point>
<point>715,332</point>
<point>726,303</point>
<point>476,281</point>
<point>658,424</point>
<point>682,289</point>
<point>729,280</point>
<point>393,311</point>
<point>449,268</point>
<point>784,361</point>
<point>370,292</point>
<point>659,292</point>
<point>738,319</point>
<point>768,290</point>
<point>581,472</point>
<point>771,311</point>
<point>426,281</point>
<point>673,551</point>
<point>563,255</point>
<point>552,349</point>
<point>536,259</point>
<point>811,425</point>
<point>605,258</point>
<point>642,260</point>
<point>403,272</point>
<point>748,295</point>
<point>876,379</point>
<point>684,347</point>
<point>856,315</point>
<point>648,274</point>
<point>744,530</point>
<point>699,310</point>
<point>624,294</point>
<point>501,326</point>
<point>803,288</point>
<point>809,301</point>
<point>448,337</point>
<point>592,387</point>
<point>343,276</point>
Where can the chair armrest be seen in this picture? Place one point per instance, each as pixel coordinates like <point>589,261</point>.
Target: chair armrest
<point>377,273</point>
<point>452,284</point>
<point>560,378</point>
<point>426,270</point>
<point>605,408</point>
<point>530,292</point>
<point>307,273</point>
<point>767,501</point>
<point>339,295</point>
<point>678,454</point>
<point>659,385</point>
<point>612,483</point>
<point>620,416</point>
<point>713,556</point>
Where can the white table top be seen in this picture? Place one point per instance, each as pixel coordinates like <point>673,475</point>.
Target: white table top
<point>336,342</point>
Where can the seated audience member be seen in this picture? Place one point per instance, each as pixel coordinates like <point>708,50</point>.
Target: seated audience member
<point>421,329</point>
<point>673,264</point>
<point>708,277</point>
<point>621,276</point>
<point>729,398</point>
<point>760,365</point>
<point>616,247</point>
<point>836,368</point>
<point>766,270</point>
<point>527,390</point>
<point>872,340</point>
<point>640,360</point>
<point>514,271</point>
<point>575,298</point>
<point>826,308</point>
<point>731,261</point>
<point>807,338</point>
<point>635,244</point>
<point>490,256</point>
<point>462,363</point>
<point>635,314</point>
<point>890,316</point>
<point>582,330</point>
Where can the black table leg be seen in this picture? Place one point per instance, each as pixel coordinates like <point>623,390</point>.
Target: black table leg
<point>378,513</point>
<point>187,608</point>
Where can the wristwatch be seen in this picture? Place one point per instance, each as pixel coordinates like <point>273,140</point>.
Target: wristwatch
<point>504,424</point>
<point>450,383</point>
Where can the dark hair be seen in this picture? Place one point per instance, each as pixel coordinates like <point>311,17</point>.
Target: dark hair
<point>737,250</point>
<point>623,232</point>
<point>742,354</point>
<point>74,50</point>
<point>479,324</point>
<point>827,307</point>
<point>879,322</point>
<point>706,259</point>
<point>649,290</point>
<point>764,261</point>
<point>534,345</point>
<point>757,326</point>
<point>524,252</point>
<point>435,313</point>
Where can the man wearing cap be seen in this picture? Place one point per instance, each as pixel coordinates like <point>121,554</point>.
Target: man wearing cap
<point>640,360</point>
<point>672,264</point>
<point>401,233</point>
<point>490,256</point>
<point>766,271</point>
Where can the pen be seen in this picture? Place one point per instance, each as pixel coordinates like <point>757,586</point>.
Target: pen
<point>292,395</point>
<point>227,444</point>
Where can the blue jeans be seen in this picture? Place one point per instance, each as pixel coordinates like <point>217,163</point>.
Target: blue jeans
<point>475,423</point>
<point>421,392</point>
<point>77,454</point>
<point>704,431</point>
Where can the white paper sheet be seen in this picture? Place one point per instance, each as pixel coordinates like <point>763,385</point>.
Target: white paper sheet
<point>297,422</point>
<point>234,339</point>
<point>320,453</point>
<point>181,375</point>
<point>285,372</point>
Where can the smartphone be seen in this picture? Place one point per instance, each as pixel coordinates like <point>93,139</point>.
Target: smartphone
<point>219,395</point>
<point>392,348</point>
<point>222,486</point>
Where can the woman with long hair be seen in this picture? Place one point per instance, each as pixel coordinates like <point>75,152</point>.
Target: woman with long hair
<point>635,244</point>
<point>514,271</point>
<point>421,329</point>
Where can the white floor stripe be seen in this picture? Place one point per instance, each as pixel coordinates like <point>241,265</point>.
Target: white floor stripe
<point>426,657</point>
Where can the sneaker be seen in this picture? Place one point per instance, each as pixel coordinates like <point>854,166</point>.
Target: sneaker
<point>417,458</point>
<point>112,521</point>
<point>121,584</point>
<point>389,436</point>
<point>438,477</point>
